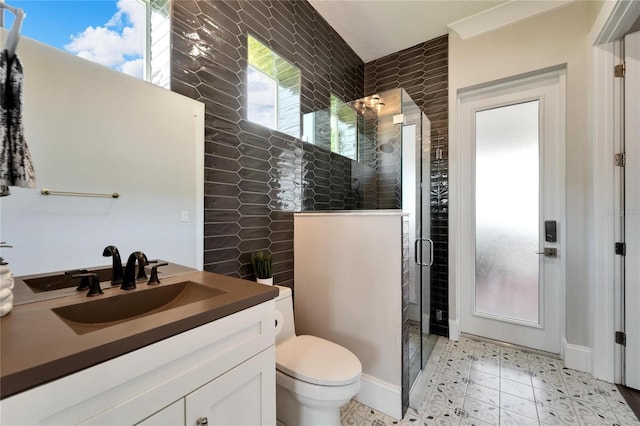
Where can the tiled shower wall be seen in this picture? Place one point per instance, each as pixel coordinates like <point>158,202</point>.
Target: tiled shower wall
<point>253,175</point>
<point>422,71</point>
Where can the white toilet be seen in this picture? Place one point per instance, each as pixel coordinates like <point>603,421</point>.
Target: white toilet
<point>314,377</point>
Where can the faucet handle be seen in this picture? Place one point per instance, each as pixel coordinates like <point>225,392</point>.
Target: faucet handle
<point>142,262</point>
<point>154,273</point>
<point>90,280</point>
<point>80,273</point>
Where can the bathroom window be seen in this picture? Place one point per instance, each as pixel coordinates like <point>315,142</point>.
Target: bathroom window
<point>273,89</point>
<point>132,37</point>
<point>263,98</point>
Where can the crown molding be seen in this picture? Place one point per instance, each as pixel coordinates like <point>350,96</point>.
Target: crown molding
<point>502,15</point>
<point>615,20</point>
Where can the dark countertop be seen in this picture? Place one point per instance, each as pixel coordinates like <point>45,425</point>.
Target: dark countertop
<point>37,346</point>
<point>23,294</point>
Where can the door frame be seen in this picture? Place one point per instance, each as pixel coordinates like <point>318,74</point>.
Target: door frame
<point>536,84</point>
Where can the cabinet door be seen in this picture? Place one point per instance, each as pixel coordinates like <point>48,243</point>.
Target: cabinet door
<point>244,395</point>
<point>171,415</point>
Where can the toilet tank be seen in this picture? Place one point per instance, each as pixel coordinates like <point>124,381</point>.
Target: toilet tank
<point>284,315</point>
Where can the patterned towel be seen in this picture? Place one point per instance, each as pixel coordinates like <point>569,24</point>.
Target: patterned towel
<point>16,167</point>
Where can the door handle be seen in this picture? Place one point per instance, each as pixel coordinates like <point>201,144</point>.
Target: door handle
<point>416,245</point>
<point>549,252</point>
<point>431,251</point>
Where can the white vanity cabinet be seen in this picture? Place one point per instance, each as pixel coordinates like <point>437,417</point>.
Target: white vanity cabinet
<point>223,371</point>
<point>239,397</point>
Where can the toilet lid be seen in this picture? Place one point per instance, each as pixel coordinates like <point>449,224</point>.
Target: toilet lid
<point>317,361</point>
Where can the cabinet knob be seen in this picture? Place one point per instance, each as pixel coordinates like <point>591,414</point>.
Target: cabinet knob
<point>202,421</point>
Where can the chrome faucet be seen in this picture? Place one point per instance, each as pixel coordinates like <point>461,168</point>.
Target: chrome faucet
<point>112,251</point>
<point>129,279</point>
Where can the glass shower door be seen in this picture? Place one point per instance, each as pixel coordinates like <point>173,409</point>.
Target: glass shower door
<point>428,341</point>
<point>416,158</point>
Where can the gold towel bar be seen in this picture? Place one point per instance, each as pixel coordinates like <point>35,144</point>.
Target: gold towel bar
<point>45,191</point>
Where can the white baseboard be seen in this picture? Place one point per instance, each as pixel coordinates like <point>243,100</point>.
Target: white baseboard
<point>576,357</point>
<point>380,396</point>
<point>454,330</point>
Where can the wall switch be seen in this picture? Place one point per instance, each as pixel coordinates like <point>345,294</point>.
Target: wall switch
<point>184,216</point>
<point>438,315</point>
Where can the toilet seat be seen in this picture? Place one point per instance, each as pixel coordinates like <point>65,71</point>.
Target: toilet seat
<point>317,361</point>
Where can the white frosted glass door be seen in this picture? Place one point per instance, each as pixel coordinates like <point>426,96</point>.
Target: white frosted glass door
<point>508,212</point>
<point>512,184</point>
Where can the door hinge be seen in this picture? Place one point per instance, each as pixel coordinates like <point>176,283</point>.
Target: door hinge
<point>619,70</point>
<point>621,249</point>
<point>621,338</point>
<point>621,159</point>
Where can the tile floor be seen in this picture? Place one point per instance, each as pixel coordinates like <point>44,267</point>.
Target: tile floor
<point>477,383</point>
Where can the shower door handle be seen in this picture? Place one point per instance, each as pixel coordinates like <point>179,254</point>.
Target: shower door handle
<point>430,251</point>
<point>415,249</point>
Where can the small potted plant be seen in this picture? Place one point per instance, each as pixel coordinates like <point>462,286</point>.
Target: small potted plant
<point>261,263</point>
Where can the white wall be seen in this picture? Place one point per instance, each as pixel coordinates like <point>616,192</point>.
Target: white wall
<point>348,275</point>
<point>92,129</point>
<point>555,38</point>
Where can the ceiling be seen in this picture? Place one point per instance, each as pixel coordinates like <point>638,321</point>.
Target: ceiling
<point>376,28</point>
